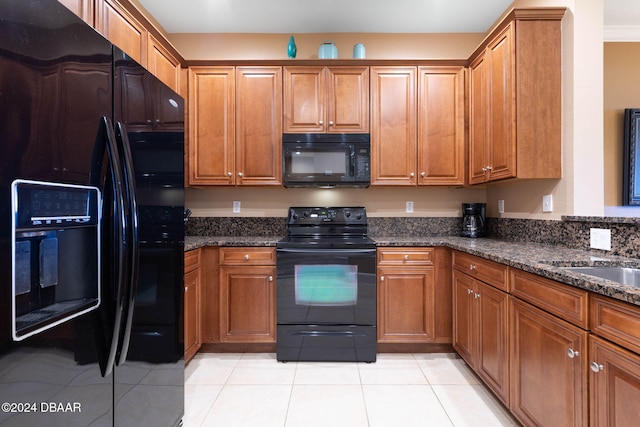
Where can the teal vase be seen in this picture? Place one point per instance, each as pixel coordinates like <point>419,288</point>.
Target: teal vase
<point>292,49</point>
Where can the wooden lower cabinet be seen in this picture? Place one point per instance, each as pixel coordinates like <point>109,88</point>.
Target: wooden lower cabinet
<point>414,300</point>
<point>548,368</point>
<point>480,331</point>
<point>614,384</point>
<point>192,304</point>
<point>247,295</point>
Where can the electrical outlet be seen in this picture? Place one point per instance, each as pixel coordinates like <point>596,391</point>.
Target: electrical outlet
<point>600,238</point>
<point>500,206</point>
<point>547,203</point>
<point>236,206</point>
<point>409,207</point>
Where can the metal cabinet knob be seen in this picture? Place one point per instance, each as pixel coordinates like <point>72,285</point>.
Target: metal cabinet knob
<point>382,278</point>
<point>472,267</point>
<point>229,174</point>
<point>406,257</point>
<point>246,256</point>
<point>469,291</point>
<point>330,122</point>
<point>476,296</point>
<point>239,173</point>
<point>596,367</point>
<point>320,122</point>
<point>271,278</point>
<point>412,174</point>
<point>423,174</point>
<point>572,353</point>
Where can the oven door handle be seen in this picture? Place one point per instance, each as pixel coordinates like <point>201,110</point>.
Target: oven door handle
<point>333,251</point>
<point>327,334</point>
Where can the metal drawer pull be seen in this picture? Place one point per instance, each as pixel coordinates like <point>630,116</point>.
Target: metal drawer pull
<point>246,256</point>
<point>572,353</point>
<point>472,267</point>
<point>595,367</point>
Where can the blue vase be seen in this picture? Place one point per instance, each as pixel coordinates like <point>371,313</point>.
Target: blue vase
<point>292,49</point>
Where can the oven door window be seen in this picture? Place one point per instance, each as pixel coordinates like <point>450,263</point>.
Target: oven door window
<point>326,285</point>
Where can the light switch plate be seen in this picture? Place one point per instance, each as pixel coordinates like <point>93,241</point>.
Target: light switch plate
<point>236,206</point>
<point>500,206</point>
<point>600,238</point>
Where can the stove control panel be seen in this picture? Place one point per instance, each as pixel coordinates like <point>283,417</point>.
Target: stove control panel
<point>336,215</point>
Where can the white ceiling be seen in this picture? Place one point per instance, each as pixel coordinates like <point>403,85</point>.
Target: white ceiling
<point>379,16</point>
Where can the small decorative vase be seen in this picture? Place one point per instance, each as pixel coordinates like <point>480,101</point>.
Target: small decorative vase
<point>292,49</point>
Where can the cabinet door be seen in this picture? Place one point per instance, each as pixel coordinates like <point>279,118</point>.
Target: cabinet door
<point>122,29</point>
<point>347,99</point>
<point>191,313</point>
<point>162,64</point>
<point>247,304</point>
<point>393,125</point>
<point>441,126</point>
<point>492,361</point>
<point>259,125</point>
<point>464,324</point>
<point>548,368</point>
<point>478,122</point>
<point>614,380</point>
<point>211,125</point>
<point>82,8</point>
<point>406,304</point>
<point>304,99</point>
<point>501,106</point>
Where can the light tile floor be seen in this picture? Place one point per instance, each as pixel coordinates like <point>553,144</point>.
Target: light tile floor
<point>435,389</point>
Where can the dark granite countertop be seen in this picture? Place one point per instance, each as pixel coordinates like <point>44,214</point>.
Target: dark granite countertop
<point>545,260</point>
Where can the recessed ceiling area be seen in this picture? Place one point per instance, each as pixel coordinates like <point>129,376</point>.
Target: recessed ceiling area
<point>621,17</point>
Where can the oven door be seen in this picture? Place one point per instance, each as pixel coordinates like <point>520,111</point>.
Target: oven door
<point>326,286</point>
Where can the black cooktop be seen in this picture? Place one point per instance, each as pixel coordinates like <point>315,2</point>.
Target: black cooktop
<point>326,228</point>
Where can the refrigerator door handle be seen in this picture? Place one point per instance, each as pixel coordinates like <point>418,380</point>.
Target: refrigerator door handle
<point>120,236</point>
<point>133,254</point>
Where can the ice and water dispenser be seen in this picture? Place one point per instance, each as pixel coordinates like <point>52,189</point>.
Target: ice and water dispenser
<point>56,254</point>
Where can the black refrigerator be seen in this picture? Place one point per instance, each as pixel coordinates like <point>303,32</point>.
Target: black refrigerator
<point>91,228</point>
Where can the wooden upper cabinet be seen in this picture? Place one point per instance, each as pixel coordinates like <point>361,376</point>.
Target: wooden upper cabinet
<point>211,125</point>
<point>258,125</point>
<point>162,64</point>
<point>441,125</point>
<point>82,8</point>
<point>235,125</point>
<point>393,125</point>
<point>515,100</point>
<point>326,99</point>
<point>122,29</point>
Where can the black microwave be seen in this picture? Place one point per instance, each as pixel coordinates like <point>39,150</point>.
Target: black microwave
<point>326,160</point>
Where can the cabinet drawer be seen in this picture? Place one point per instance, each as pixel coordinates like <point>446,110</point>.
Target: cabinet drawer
<point>566,302</point>
<point>247,256</point>
<point>490,272</point>
<point>405,256</point>
<point>616,321</point>
<point>191,260</point>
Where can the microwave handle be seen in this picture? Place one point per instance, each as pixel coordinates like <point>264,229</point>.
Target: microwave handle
<point>352,159</point>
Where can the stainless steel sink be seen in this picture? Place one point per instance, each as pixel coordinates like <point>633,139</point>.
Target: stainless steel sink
<point>624,275</point>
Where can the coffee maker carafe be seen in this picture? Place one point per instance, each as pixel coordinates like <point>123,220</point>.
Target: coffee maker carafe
<point>473,219</point>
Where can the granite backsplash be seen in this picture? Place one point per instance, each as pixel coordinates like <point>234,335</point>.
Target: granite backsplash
<point>571,232</point>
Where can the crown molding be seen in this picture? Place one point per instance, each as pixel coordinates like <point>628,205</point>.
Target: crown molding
<point>621,33</point>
